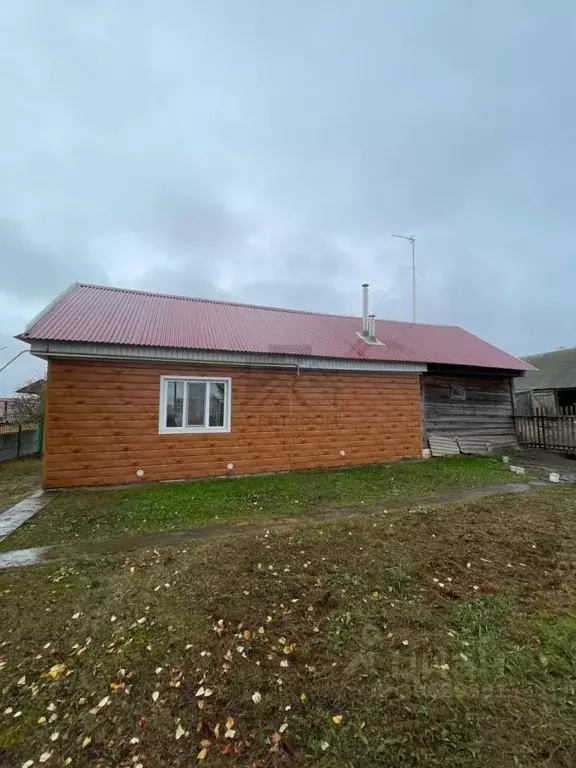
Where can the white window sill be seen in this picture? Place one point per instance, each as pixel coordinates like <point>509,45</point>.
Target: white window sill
<point>194,430</point>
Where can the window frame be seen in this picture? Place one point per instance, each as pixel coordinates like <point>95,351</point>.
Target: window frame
<point>192,430</point>
<point>454,396</point>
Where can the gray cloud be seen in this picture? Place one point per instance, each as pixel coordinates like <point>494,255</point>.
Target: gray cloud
<point>33,272</point>
<point>182,282</point>
<point>264,152</point>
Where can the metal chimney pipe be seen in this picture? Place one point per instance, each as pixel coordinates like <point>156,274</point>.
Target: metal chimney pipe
<point>365,328</point>
<point>372,327</point>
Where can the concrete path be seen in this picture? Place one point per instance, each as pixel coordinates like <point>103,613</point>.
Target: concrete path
<point>18,514</point>
<point>87,550</point>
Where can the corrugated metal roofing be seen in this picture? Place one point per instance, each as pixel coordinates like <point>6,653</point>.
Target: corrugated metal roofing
<point>98,314</point>
<point>556,370</point>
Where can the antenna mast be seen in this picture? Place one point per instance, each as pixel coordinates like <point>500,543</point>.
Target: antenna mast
<point>412,240</point>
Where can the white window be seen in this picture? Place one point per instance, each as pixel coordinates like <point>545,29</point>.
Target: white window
<point>191,404</point>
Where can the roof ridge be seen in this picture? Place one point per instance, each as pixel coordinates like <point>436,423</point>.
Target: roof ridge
<point>252,306</point>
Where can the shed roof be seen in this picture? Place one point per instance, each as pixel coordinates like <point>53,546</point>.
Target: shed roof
<point>556,370</point>
<point>98,314</point>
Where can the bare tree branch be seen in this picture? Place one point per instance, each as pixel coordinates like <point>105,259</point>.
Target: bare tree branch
<point>29,408</point>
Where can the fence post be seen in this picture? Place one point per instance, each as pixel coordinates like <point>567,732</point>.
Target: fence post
<point>41,437</point>
<point>18,440</point>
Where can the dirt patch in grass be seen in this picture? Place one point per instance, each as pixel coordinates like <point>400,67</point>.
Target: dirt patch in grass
<point>18,479</point>
<point>560,462</point>
<point>79,515</point>
<point>435,637</point>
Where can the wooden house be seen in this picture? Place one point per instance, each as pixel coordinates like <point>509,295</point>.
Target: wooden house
<point>144,386</point>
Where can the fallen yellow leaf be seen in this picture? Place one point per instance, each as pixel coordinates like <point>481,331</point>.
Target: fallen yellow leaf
<point>337,719</point>
<point>55,671</point>
<point>202,754</point>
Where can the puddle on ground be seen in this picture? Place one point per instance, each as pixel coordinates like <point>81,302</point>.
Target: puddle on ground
<point>20,557</point>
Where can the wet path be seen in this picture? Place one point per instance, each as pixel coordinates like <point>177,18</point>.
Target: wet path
<point>86,550</point>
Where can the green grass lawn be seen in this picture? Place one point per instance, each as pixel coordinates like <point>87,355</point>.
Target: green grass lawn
<point>18,478</point>
<point>78,515</point>
<point>436,637</point>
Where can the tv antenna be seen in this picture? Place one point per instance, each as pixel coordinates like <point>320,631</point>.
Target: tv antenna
<point>411,239</point>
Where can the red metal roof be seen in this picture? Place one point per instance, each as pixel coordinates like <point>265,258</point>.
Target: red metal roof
<point>98,314</point>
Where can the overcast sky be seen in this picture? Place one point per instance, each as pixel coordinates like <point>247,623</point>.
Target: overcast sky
<point>264,150</point>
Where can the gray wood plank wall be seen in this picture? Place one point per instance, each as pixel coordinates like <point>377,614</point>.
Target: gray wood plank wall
<point>486,412</point>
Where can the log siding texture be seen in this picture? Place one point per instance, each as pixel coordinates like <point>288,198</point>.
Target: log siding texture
<point>102,422</point>
<point>485,413</point>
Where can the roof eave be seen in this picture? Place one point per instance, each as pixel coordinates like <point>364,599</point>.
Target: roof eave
<point>96,351</point>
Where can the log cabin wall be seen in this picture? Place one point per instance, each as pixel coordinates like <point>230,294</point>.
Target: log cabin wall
<point>471,407</point>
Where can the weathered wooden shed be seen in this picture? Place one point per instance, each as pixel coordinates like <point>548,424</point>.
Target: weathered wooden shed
<point>467,409</point>
<point>550,387</point>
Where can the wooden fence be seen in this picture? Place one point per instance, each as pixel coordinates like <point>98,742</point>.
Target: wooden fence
<point>551,433</point>
<point>13,429</point>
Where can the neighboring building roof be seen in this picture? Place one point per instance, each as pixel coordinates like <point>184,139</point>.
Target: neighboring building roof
<point>556,370</point>
<point>97,314</point>
<point>33,388</point>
